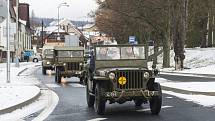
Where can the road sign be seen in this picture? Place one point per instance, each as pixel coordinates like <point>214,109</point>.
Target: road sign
<point>132,39</point>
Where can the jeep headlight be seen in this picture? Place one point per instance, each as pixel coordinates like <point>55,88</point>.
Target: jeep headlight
<point>64,64</point>
<point>146,75</point>
<point>112,76</point>
<point>48,63</point>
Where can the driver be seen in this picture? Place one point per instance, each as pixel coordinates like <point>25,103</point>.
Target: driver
<point>102,54</point>
<point>128,53</point>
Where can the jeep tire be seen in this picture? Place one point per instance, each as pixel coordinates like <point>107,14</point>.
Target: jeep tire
<point>57,75</point>
<point>156,101</point>
<point>90,98</point>
<point>44,70</point>
<point>99,99</point>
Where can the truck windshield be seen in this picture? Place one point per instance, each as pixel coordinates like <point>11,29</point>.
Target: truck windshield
<point>117,53</point>
<point>48,53</point>
<point>70,54</point>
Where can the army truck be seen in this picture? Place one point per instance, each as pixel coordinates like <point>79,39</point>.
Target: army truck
<point>47,59</point>
<point>69,62</point>
<point>119,73</point>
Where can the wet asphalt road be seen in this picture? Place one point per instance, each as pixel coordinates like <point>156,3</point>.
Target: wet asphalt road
<point>72,105</point>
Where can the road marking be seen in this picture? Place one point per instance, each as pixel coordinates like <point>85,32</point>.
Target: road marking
<point>77,85</point>
<point>144,110</point>
<point>52,85</point>
<point>52,103</point>
<point>168,97</point>
<point>97,119</point>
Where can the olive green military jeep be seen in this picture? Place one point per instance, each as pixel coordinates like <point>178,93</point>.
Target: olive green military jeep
<point>119,73</point>
<point>47,59</point>
<point>69,62</point>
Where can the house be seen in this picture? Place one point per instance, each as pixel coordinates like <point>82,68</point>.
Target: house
<point>24,34</point>
<point>52,32</point>
<point>3,35</point>
<point>94,35</point>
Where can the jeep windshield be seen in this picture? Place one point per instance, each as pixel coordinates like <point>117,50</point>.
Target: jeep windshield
<point>48,53</point>
<point>69,54</point>
<point>117,53</point>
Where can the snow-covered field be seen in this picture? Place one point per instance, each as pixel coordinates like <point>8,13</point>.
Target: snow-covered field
<point>197,61</point>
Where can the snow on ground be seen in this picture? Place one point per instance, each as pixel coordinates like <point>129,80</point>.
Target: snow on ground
<point>16,95</point>
<point>20,89</point>
<point>197,61</point>
<point>207,101</point>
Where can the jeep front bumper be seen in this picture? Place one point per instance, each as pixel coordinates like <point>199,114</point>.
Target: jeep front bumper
<point>131,93</point>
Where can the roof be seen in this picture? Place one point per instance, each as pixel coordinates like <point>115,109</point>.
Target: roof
<point>68,48</point>
<point>61,22</point>
<point>51,29</point>
<point>87,26</point>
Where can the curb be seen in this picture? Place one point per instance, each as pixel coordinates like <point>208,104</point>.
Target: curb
<point>15,107</point>
<point>22,71</point>
<point>187,92</point>
<point>205,75</point>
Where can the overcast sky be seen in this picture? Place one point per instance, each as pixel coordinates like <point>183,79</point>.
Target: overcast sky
<point>77,10</point>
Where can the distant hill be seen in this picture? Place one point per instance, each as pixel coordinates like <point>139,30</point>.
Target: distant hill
<point>38,21</point>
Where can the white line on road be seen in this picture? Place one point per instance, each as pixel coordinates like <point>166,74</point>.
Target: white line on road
<point>97,119</point>
<point>144,110</point>
<point>52,85</point>
<point>168,97</point>
<point>77,85</point>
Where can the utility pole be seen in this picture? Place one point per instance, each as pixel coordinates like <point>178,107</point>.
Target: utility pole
<point>42,34</point>
<point>17,34</point>
<point>8,41</point>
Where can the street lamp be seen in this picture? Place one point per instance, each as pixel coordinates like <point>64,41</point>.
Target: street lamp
<point>62,4</point>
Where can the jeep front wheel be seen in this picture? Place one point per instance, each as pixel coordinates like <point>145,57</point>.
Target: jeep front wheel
<point>90,98</point>
<point>57,75</point>
<point>44,71</point>
<point>156,101</point>
<point>99,99</point>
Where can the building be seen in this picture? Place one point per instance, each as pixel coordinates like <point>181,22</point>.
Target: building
<point>24,34</point>
<point>50,33</point>
<point>91,32</point>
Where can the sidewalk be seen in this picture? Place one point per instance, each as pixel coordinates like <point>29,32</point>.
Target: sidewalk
<point>21,91</point>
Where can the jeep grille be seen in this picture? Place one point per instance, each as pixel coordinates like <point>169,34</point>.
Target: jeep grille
<point>135,79</point>
<point>73,66</point>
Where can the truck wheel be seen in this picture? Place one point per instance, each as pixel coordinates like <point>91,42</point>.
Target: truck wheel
<point>99,99</point>
<point>57,76</point>
<point>44,71</point>
<point>156,101</point>
<point>90,98</point>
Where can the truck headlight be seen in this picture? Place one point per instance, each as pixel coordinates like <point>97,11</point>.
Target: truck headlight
<point>112,76</point>
<point>48,62</point>
<point>64,64</point>
<point>146,75</point>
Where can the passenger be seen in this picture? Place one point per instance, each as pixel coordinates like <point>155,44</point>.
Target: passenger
<point>128,53</point>
<point>102,54</point>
